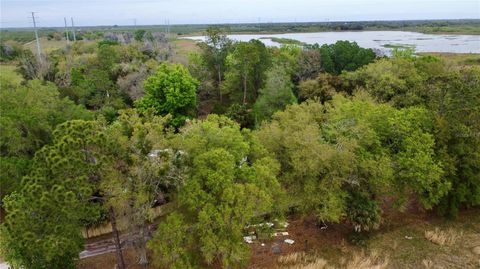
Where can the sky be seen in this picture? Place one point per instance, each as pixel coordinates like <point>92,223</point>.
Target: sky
<point>15,13</point>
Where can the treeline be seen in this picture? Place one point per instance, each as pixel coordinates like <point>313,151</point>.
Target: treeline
<point>240,135</point>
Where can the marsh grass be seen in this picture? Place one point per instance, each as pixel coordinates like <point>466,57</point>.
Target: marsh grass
<point>447,237</point>
<point>358,260</point>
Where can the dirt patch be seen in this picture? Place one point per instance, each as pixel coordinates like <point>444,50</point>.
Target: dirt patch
<point>308,236</point>
<point>401,239</point>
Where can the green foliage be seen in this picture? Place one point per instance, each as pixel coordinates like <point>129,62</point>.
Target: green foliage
<point>338,156</point>
<point>10,51</point>
<point>451,96</point>
<point>143,171</point>
<point>214,53</point>
<point>139,35</point>
<point>225,190</point>
<point>241,114</point>
<point>29,114</point>
<point>170,245</point>
<point>246,70</point>
<point>171,90</point>
<point>312,170</point>
<point>308,65</point>
<point>276,94</point>
<point>458,137</point>
<point>322,87</point>
<point>44,218</point>
<point>363,211</point>
<point>344,55</point>
<point>393,80</point>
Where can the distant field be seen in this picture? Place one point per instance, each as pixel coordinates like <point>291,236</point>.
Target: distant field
<point>182,48</point>
<point>48,45</point>
<point>25,35</point>
<point>461,59</point>
<point>8,72</point>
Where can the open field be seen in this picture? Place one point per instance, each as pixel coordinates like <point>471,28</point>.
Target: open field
<point>461,59</point>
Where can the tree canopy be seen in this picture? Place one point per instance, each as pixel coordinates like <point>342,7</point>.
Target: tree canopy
<point>171,90</point>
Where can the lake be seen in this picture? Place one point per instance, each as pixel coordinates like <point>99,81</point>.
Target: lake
<point>376,40</point>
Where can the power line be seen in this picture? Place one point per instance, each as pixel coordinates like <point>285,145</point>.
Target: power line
<point>73,31</point>
<point>66,30</point>
<point>39,50</point>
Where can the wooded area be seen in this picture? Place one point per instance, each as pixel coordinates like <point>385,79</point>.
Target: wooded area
<point>231,135</point>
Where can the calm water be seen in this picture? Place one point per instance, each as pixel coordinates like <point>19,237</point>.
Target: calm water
<point>377,40</point>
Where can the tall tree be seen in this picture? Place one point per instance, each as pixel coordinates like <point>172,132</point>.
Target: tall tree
<point>229,183</point>
<point>339,158</point>
<point>29,114</point>
<point>246,69</point>
<point>214,53</point>
<point>144,174</point>
<point>44,218</point>
<point>344,55</point>
<point>171,90</point>
<point>276,94</point>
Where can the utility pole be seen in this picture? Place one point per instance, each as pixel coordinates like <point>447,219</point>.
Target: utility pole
<point>73,31</point>
<point>39,50</point>
<point>135,23</point>
<point>66,30</point>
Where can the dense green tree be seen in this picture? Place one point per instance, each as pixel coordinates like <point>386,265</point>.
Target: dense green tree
<point>322,87</point>
<point>309,65</point>
<point>145,171</point>
<point>276,94</point>
<point>246,70</point>
<point>231,181</point>
<point>175,254</point>
<point>214,53</point>
<point>286,57</point>
<point>28,116</point>
<point>451,95</point>
<point>44,218</point>
<point>92,83</point>
<point>393,80</point>
<point>340,158</point>
<point>456,104</point>
<point>344,55</point>
<point>313,171</point>
<point>139,35</point>
<point>171,90</point>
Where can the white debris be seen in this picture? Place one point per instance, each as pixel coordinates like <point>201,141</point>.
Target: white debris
<point>289,241</point>
<point>249,239</point>
<point>280,234</point>
<point>263,244</point>
<point>268,224</point>
<point>408,237</point>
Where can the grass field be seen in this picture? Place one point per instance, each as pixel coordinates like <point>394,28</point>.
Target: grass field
<point>8,72</point>
<point>46,45</point>
<point>182,48</point>
<point>460,59</point>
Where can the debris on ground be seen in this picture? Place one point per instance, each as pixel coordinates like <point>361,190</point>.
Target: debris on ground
<point>249,239</point>
<point>280,234</point>
<point>289,241</point>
